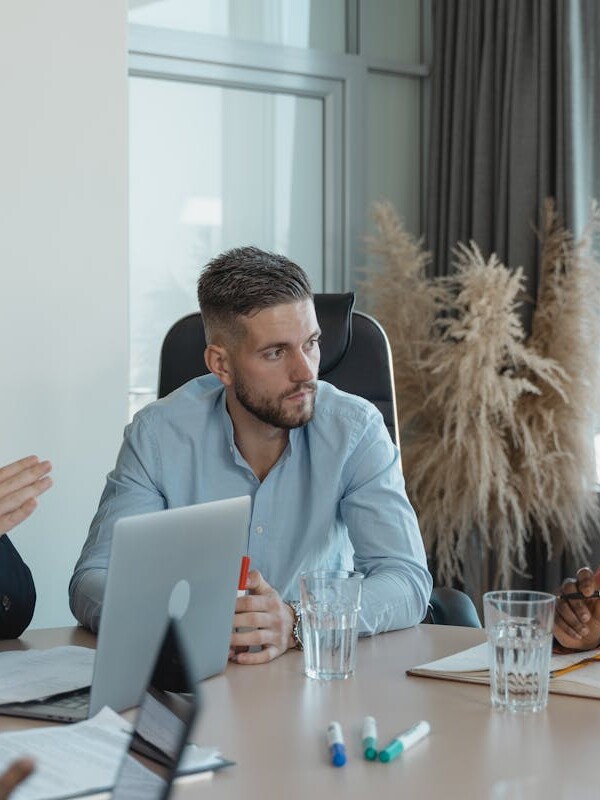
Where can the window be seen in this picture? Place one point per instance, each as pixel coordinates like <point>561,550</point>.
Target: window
<point>267,122</point>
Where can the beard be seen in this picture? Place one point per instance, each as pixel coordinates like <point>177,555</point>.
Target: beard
<point>272,411</point>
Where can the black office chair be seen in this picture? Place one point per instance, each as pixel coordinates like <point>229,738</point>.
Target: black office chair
<point>355,357</point>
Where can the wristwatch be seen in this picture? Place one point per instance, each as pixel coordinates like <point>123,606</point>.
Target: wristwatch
<point>297,625</point>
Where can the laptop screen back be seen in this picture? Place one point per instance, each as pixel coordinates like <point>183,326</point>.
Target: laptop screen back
<point>182,563</point>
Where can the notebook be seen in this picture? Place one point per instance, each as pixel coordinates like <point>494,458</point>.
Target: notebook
<point>181,563</point>
<point>472,666</point>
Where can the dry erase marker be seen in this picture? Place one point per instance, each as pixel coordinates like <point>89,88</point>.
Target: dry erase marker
<point>244,574</point>
<point>369,738</point>
<point>242,591</point>
<point>335,740</point>
<point>404,740</point>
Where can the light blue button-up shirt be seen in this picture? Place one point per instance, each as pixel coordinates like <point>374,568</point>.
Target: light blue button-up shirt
<point>335,499</point>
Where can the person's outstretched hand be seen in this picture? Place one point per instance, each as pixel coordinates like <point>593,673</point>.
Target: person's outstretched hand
<point>20,484</point>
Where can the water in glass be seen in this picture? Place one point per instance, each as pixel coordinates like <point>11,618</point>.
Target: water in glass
<point>330,636</point>
<point>519,665</point>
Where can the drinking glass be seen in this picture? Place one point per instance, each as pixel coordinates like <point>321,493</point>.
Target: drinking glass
<point>519,631</point>
<point>330,602</point>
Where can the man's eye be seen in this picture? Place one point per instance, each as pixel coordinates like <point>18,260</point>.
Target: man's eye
<point>273,355</point>
<point>312,343</point>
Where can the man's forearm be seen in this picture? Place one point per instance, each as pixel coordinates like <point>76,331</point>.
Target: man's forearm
<point>85,597</point>
<point>392,600</point>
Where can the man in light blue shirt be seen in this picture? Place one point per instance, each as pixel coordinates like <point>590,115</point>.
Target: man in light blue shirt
<point>323,474</point>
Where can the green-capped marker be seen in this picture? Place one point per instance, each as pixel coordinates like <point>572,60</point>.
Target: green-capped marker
<point>369,738</point>
<point>405,740</point>
<point>392,751</point>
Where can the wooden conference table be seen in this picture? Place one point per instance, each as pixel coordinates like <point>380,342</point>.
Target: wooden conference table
<point>271,720</point>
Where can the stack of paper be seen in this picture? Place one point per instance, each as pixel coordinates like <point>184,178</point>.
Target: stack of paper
<point>81,759</point>
<point>34,674</point>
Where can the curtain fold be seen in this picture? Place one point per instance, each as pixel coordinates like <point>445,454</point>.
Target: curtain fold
<point>502,137</point>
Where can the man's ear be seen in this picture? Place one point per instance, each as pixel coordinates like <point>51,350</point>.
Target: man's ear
<point>217,360</point>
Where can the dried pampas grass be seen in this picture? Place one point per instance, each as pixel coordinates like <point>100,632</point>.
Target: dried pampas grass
<point>496,430</point>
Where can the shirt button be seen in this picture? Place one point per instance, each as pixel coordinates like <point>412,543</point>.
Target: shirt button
<point>6,601</point>
<point>230,449</point>
<point>259,528</point>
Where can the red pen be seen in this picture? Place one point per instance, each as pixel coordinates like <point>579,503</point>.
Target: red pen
<point>243,591</point>
<point>244,573</point>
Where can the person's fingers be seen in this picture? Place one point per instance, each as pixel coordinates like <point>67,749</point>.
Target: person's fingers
<point>25,476</point>
<point>28,472</point>
<point>567,623</point>
<point>253,638</point>
<point>585,581</point>
<point>13,518</point>
<point>12,501</point>
<point>43,485</point>
<point>14,775</point>
<point>253,602</point>
<point>261,657</point>
<point>17,466</point>
<point>576,613</point>
<point>254,619</point>
<point>257,584</point>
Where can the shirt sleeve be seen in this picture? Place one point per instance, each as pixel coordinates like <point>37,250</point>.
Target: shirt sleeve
<point>17,591</point>
<point>383,529</point>
<point>131,488</point>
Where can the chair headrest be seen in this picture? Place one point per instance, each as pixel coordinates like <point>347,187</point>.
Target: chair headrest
<point>334,312</point>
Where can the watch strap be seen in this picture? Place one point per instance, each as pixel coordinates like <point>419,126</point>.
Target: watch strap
<point>297,624</point>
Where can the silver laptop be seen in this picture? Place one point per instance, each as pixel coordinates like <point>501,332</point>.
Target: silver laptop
<point>182,563</point>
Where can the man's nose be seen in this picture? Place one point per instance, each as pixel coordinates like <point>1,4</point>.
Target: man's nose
<point>303,368</point>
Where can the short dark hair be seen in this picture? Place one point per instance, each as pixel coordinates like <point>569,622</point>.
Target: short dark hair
<point>246,280</point>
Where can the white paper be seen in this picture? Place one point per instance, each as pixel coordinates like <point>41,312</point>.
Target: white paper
<point>560,662</point>
<point>70,759</point>
<point>34,674</point>
<point>476,659</point>
<point>79,759</point>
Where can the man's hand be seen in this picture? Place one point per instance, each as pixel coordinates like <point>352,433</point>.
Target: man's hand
<point>264,610</point>
<point>20,483</point>
<point>14,775</point>
<point>577,622</point>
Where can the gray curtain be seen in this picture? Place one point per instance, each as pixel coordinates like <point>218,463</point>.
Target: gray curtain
<point>502,135</point>
<point>514,118</point>
<point>584,26</point>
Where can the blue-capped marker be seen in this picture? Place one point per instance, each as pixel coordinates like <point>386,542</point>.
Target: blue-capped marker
<point>369,738</point>
<point>404,740</point>
<point>335,740</point>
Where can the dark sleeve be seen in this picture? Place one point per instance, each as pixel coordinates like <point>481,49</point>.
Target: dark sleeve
<point>17,591</point>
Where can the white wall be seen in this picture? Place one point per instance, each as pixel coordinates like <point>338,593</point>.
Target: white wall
<point>63,266</point>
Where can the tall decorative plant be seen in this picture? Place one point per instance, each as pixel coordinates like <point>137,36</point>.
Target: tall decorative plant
<point>496,429</point>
